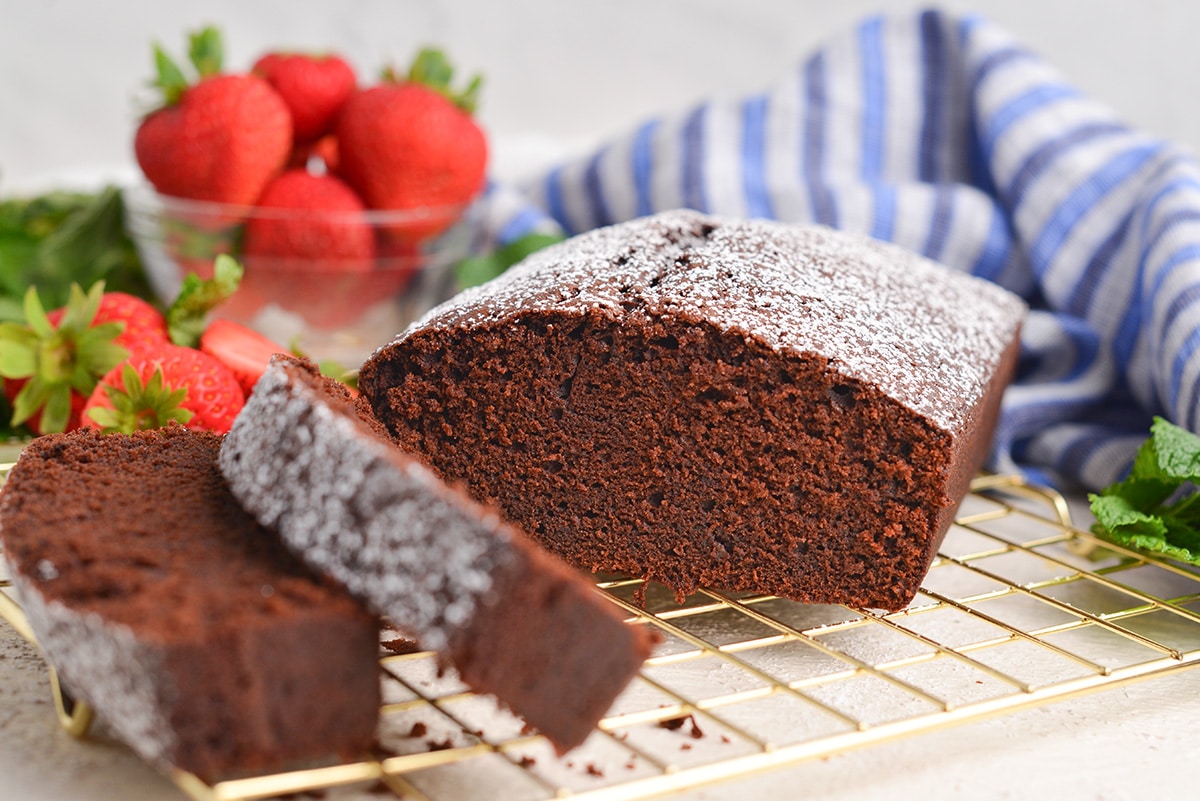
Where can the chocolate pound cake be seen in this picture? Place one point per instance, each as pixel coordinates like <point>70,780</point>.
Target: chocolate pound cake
<point>512,620</point>
<point>738,404</point>
<point>191,631</point>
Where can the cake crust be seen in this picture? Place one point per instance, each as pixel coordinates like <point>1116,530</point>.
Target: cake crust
<point>699,401</point>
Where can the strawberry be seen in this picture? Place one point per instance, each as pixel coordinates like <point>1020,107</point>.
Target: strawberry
<point>325,226</point>
<point>314,87</point>
<point>145,326</point>
<point>168,384</point>
<point>221,139</point>
<point>51,363</point>
<point>243,350</point>
<point>412,144</point>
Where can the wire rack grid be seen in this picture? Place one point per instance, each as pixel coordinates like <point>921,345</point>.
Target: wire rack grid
<point>1019,609</point>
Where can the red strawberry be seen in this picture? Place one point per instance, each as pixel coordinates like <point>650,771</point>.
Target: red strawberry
<point>52,363</point>
<point>328,227</point>
<point>170,383</point>
<point>145,326</point>
<point>243,350</point>
<point>221,139</point>
<point>413,144</point>
<point>314,87</point>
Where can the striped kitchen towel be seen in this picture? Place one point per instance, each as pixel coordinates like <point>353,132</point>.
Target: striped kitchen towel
<point>946,135</point>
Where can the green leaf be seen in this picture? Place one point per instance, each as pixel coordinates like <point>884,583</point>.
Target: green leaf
<point>1139,512</point>
<point>168,77</point>
<point>206,51</point>
<point>54,240</point>
<point>35,314</point>
<point>57,410</point>
<point>1177,451</point>
<point>431,68</point>
<point>29,400</point>
<point>1118,516</point>
<point>477,270</point>
<point>137,406</point>
<point>187,316</point>
<point>18,350</point>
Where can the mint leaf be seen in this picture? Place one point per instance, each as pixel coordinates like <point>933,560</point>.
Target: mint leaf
<point>53,240</point>
<point>1177,451</point>
<point>1157,508</point>
<point>476,270</point>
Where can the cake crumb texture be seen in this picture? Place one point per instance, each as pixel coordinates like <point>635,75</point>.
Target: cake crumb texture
<point>739,404</point>
<point>189,628</point>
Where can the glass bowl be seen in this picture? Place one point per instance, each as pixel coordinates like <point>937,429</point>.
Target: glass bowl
<point>329,309</point>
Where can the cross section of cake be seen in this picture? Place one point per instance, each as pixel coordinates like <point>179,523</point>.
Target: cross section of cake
<point>745,405</point>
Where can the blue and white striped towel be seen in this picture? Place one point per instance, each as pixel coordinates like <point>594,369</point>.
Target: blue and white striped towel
<point>945,135</point>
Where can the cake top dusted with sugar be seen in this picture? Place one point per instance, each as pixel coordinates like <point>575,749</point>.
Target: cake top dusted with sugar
<point>304,460</point>
<point>923,334</point>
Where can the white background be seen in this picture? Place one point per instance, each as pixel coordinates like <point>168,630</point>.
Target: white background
<point>561,75</point>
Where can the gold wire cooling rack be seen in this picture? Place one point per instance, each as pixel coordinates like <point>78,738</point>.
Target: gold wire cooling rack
<point>1019,609</point>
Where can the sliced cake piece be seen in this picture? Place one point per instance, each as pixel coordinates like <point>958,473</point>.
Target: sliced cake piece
<point>512,620</point>
<point>189,628</point>
<point>739,404</point>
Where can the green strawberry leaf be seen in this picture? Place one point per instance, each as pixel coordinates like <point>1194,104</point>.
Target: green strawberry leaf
<point>206,51</point>
<point>187,316</point>
<point>168,77</point>
<point>137,406</point>
<point>431,68</point>
<point>18,349</point>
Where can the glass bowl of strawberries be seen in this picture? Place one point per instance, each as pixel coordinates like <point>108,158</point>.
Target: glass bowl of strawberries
<point>334,284</point>
<point>348,205</point>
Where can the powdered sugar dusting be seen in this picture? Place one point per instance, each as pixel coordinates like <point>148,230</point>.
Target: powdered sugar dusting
<point>352,507</point>
<point>927,336</point>
<point>107,666</point>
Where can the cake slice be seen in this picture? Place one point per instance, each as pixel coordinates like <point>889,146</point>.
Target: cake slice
<point>737,404</point>
<point>193,633</point>
<point>512,620</point>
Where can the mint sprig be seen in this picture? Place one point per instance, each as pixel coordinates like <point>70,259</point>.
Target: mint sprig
<point>1157,508</point>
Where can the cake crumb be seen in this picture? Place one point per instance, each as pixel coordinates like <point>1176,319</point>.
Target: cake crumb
<point>439,745</point>
<point>675,724</point>
<point>526,761</point>
<point>400,646</point>
<point>592,770</point>
<point>419,729</point>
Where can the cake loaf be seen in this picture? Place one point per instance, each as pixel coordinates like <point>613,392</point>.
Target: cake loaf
<point>512,620</point>
<point>196,637</point>
<point>744,405</point>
